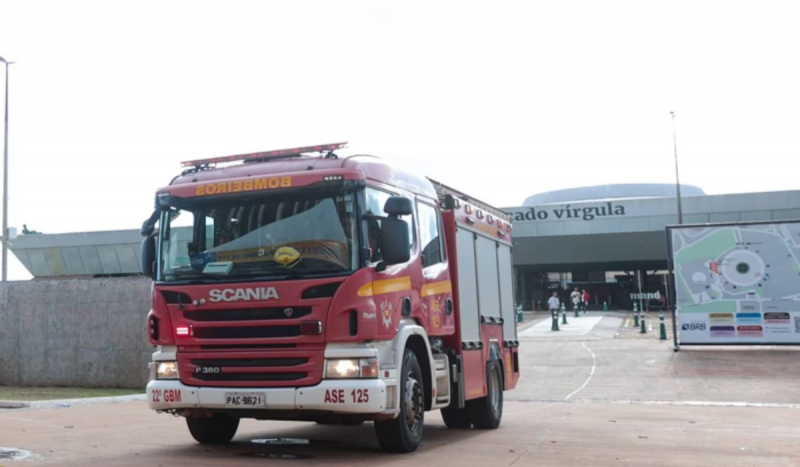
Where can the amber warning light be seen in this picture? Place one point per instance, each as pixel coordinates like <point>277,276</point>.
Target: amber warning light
<point>260,156</point>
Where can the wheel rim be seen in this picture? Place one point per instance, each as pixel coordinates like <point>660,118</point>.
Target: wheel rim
<point>494,389</point>
<point>415,405</point>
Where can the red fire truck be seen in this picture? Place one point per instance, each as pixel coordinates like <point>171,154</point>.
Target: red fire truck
<point>298,285</point>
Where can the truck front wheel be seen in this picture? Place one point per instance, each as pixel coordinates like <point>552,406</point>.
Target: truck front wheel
<point>404,433</point>
<point>487,411</point>
<point>217,430</point>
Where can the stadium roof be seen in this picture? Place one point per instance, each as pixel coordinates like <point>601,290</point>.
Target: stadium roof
<point>109,253</point>
<point>617,191</point>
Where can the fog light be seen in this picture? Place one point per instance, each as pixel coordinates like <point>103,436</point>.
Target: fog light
<point>311,328</point>
<point>352,368</point>
<point>167,370</point>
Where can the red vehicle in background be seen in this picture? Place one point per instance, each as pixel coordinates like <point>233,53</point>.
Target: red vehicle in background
<point>335,290</point>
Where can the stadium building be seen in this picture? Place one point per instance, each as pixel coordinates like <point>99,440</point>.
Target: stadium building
<point>598,238</point>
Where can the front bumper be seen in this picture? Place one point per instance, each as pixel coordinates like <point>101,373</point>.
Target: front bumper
<point>339,396</point>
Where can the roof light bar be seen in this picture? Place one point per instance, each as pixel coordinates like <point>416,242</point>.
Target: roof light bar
<point>266,155</point>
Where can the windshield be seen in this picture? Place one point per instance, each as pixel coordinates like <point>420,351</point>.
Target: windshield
<point>289,236</point>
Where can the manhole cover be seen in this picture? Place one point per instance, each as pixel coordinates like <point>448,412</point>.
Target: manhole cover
<point>14,454</point>
<point>8,454</point>
<point>280,441</point>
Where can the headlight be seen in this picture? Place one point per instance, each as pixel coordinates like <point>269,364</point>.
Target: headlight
<point>167,370</point>
<point>352,368</point>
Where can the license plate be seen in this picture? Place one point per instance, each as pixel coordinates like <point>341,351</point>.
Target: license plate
<point>245,399</point>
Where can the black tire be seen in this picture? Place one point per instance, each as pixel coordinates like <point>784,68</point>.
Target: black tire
<point>457,419</point>
<point>404,433</point>
<point>216,430</point>
<point>487,411</point>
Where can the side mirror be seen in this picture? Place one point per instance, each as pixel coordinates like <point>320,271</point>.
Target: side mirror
<point>149,256</point>
<point>398,206</point>
<point>148,226</point>
<point>395,241</point>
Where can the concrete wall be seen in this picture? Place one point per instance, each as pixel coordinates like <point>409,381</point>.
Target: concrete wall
<point>81,332</point>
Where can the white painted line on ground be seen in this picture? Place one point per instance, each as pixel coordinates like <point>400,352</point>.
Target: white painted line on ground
<point>760,405</point>
<point>591,373</point>
<point>575,327</point>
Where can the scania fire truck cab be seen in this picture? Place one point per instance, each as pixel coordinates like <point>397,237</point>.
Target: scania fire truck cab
<point>297,285</point>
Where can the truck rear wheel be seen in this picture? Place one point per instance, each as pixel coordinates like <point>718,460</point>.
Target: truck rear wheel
<point>216,430</point>
<point>487,411</point>
<point>456,418</point>
<point>404,433</point>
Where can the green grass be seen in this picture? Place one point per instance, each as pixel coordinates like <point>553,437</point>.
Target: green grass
<point>707,249</point>
<point>685,293</point>
<point>12,393</point>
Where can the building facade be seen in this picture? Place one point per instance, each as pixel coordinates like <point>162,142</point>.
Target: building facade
<point>611,245</point>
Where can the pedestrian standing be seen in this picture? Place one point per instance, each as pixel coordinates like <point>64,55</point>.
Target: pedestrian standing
<point>554,303</point>
<point>576,299</point>
<point>585,300</point>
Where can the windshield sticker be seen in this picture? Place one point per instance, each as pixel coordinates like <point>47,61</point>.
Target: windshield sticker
<point>287,256</point>
<point>269,183</point>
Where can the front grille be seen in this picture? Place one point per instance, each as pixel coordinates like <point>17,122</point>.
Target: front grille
<point>251,376</point>
<point>249,362</point>
<point>249,314</point>
<point>277,368</point>
<point>248,347</point>
<point>247,332</point>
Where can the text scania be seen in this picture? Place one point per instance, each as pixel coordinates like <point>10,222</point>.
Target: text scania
<point>234,295</point>
<point>586,213</point>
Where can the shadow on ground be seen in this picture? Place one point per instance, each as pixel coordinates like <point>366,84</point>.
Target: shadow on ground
<point>340,444</point>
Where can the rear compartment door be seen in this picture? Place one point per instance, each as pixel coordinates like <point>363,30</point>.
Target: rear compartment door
<point>468,288</point>
<point>505,272</point>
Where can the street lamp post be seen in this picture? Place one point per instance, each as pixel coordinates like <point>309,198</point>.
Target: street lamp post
<point>677,178</point>
<point>5,181</point>
<point>680,221</point>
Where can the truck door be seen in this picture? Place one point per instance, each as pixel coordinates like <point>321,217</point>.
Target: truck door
<point>394,288</point>
<point>436,303</point>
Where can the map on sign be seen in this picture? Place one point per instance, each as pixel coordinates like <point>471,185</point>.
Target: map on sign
<point>737,283</point>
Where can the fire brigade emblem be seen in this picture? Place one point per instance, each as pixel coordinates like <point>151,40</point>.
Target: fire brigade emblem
<point>386,312</point>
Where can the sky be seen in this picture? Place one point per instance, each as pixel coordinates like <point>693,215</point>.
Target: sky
<point>500,99</point>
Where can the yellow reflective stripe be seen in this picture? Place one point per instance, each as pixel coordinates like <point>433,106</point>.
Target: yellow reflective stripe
<point>436,288</point>
<point>365,290</point>
<point>399,284</point>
